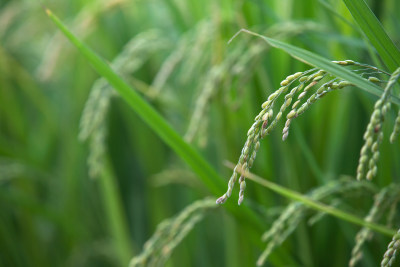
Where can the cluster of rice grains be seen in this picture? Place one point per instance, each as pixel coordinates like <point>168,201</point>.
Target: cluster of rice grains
<point>93,122</point>
<point>373,135</point>
<point>170,233</point>
<point>385,201</point>
<point>303,89</point>
<point>390,254</point>
<point>296,212</point>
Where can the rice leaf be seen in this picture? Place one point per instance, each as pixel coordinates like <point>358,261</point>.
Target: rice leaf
<point>324,64</point>
<point>307,201</point>
<point>373,29</point>
<point>159,125</point>
<point>147,113</point>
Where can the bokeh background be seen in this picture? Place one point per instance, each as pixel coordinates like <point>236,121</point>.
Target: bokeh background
<point>89,191</point>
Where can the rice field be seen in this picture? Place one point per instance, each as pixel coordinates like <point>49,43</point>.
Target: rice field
<point>199,133</point>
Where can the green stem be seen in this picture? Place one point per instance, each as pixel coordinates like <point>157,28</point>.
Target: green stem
<point>161,127</point>
<point>148,114</point>
<point>115,215</point>
<point>315,204</point>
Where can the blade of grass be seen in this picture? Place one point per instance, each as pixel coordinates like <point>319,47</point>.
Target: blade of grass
<point>157,123</point>
<point>314,204</point>
<point>371,51</point>
<point>374,31</point>
<point>335,13</point>
<point>324,64</point>
<point>147,113</point>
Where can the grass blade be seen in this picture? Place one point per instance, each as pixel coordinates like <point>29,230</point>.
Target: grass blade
<point>147,113</point>
<point>324,64</point>
<point>373,29</point>
<point>315,204</point>
<point>157,123</point>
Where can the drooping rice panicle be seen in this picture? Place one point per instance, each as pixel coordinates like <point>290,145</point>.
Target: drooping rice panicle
<point>365,233</point>
<point>373,136</point>
<point>396,129</point>
<point>169,234</point>
<point>264,124</point>
<point>211,83</point>
<point>95,111</point>
<point>390,254</point>
<point>295,212</point>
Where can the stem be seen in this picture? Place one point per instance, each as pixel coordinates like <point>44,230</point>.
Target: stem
<point>314,204</point>
<point>115,215</point>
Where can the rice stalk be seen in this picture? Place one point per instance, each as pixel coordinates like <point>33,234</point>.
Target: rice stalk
<point>383,200</point>
<point>213,79</point>
<point>373,135</point>
<point>168,67</point>
<point>92,125</point>
<point>296,211</point>
<point>264,124</point>
<point>169,234</point>
<point>396,129</point>
<point>82,24</point>
<point>320,215</point>
<point>175,175</point>
<point>237,64</point>
<point>390,255</point>
<point>196,55</point>
<point>221,75</point>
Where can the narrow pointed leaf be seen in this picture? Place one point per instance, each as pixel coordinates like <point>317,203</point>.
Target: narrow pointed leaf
<point>324,64</point>
<point>293,195</point>
<point>374,31</point>
<point>147,113</point>
<point>161,127</point>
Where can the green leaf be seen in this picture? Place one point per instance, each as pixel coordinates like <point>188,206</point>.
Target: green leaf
<point>324,64</point>
<point>159,125</point>
<point>187,153</point>
<point>293,195</point>
<point>374,31</point>
<point>147,113</point>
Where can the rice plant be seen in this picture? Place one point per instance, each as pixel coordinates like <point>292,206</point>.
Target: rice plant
<point>169,234</point>
<point>390,254</point>
<point>324,83</point>
<point>119,162</point>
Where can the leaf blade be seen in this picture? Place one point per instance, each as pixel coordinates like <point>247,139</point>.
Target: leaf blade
<point>324,64</point>
<point>146,112</point>
<point>374,31</point>
<point>199,165</point>
<point>293,195</point>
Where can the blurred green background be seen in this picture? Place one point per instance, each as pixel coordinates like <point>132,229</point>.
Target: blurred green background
<point>95,200</point>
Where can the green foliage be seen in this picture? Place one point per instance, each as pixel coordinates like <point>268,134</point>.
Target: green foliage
<point>373,29</point>
<point>183,102</point>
